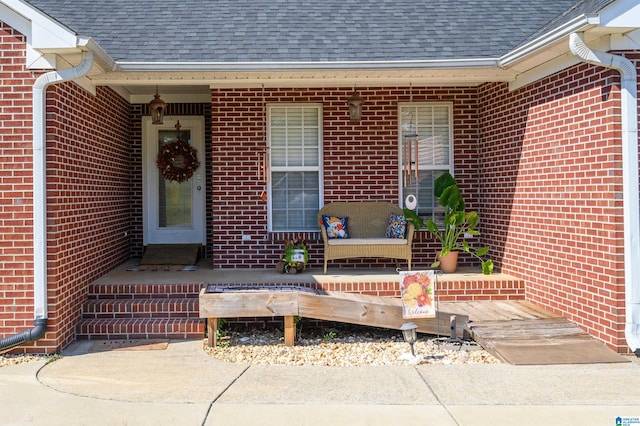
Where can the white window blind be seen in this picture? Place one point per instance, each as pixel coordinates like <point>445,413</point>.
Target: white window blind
<point>295,135</point>
<point>431,123</point>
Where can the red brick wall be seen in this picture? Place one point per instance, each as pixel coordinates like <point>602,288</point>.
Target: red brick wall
<point>88,175</point>
<point>88,195</point>
<point>16,208</point>
<point>551,193</point>
<point>360,163</point>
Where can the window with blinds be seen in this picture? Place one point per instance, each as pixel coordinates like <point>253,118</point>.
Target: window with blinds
<point>295,141</point>
<point>426,151</point>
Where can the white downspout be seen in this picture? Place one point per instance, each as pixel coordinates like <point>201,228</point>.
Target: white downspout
<point>629,105</point>
<point>40,176</point>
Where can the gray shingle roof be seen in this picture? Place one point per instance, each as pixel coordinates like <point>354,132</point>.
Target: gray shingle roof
<point>309,30</point>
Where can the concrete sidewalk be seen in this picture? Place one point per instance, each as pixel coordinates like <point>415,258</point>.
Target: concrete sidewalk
<point>183,386</point>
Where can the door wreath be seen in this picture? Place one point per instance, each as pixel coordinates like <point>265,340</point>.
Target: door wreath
<point>177,160</point>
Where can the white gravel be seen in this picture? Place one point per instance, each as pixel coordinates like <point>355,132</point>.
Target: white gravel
<point>349,346</point>
<point>339,348</point>
<point>10,359</point>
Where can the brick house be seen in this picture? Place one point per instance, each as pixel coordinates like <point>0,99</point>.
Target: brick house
<point>533,107</point>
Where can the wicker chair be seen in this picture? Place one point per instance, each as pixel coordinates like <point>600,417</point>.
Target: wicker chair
<point>367,225</point>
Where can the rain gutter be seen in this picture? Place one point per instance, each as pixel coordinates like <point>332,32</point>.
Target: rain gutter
<point>39,91</point>
<point>631,208</point>
<point>580,23</point>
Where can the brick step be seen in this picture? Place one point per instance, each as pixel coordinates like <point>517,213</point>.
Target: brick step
<point>141,308</point>
<point>140,328</point>
<point>143,291</point>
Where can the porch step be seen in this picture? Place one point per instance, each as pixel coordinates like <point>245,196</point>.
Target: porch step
<point>141,308</point>
<point>141,311</point>
<point>143,291</point>
<point>140,328</point>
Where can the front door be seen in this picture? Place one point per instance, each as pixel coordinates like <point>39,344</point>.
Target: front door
<point>174,212</point>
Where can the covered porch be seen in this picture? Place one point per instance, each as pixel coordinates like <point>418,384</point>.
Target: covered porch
<point>127,304</point>
<point>468,283</point>
<point>491,309</point>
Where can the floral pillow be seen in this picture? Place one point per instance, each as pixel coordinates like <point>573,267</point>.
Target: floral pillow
<point>397,226</point>
<point>336,227</point>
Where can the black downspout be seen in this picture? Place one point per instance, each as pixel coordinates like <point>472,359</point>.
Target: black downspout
<point>32,335</point>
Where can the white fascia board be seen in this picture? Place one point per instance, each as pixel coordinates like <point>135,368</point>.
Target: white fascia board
<point>628,41</point>
<point>297,66</point>
<point>42,32</point>
<point>542,71</point>
<point>170,98</point>
<point>555,65</point>
<point>621,14</point>
<point>581,23</point>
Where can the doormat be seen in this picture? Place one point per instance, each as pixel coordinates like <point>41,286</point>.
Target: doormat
<point>169,257</point>
<point>179,268</point>
<point>129,345</point>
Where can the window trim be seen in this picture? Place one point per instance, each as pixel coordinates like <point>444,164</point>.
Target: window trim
<point>449,167</point>
<point>319,168</point>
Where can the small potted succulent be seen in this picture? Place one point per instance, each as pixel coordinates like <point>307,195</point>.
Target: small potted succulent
<point>294,258</point>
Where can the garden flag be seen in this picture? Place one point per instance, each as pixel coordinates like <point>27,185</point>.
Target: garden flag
<point>417,289</point>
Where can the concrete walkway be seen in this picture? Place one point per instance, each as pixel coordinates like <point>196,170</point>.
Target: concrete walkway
<point>181,385</point>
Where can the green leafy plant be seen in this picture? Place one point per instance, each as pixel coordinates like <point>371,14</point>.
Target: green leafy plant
<point>221,332</point>
<point>330,335</point>
<point>412,217</point>
<point>297,321</point>
<point>457,223</point>
<point>295,256</point>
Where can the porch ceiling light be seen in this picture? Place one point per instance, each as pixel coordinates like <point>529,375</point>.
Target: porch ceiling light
<point>355,106</point>
<point>157,107</point>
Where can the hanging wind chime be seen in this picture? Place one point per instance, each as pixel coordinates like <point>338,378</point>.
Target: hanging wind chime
<point>263,156</point>
<point>410,146</point>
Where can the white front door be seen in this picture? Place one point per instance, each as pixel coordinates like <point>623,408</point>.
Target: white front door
<point>174,213</point>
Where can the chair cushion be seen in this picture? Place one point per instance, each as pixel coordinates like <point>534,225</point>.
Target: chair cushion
<point>366,241</point>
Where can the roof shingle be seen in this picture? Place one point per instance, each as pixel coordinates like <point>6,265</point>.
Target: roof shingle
<point>231,31</point>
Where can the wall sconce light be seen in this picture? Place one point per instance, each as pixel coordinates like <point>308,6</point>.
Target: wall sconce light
<point>355,106</point>
<point>410,334</point>
<point>157,107</point>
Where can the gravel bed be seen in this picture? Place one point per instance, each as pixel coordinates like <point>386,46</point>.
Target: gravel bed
<point>7,359</point>
<point>332,346</point>
<point>344,347</point>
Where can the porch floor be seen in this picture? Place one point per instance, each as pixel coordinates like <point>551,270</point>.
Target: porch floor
<point>206,273</point>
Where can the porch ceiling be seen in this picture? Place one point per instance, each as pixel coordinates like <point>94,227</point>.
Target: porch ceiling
<point>185,82</point>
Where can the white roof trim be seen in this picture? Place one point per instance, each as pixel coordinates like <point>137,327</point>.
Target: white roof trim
<point>553,66</point>
<point>41,31</point>
<point>580,23</point>
<point>628,41</point>
<point>297,66</point>
<point>621,14</point>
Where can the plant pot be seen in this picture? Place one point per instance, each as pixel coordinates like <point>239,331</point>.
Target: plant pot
<point>448,263</point>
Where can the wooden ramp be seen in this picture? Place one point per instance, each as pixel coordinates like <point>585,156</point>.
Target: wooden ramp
<point>541,341</point>
<point>375,311</point>
<point>516,332</point>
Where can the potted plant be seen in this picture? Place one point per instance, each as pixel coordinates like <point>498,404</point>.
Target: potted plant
<point>457,224</point>
<point>294,258</point>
